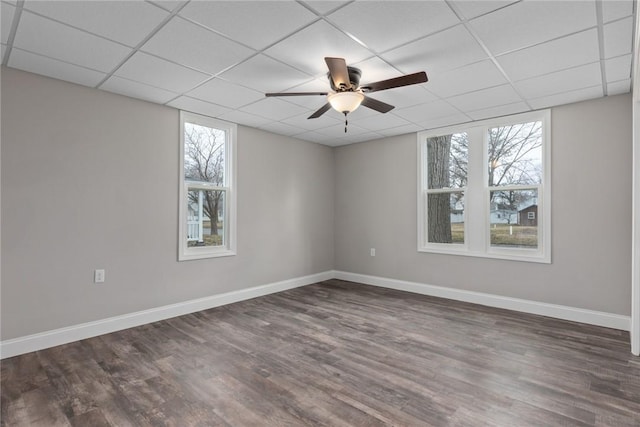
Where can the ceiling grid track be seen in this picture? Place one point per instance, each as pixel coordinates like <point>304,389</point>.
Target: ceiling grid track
<point>600,26</point>
<point>12,32</point>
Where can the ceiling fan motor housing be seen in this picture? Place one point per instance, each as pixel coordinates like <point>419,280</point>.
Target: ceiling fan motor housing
<point>354,78</point>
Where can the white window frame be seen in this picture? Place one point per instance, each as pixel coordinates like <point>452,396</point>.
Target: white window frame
<point>477,242</point>
<point>186,253</point>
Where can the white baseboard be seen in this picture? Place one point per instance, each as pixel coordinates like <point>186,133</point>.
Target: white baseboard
<point>599,318</point>
<point>39,341</point>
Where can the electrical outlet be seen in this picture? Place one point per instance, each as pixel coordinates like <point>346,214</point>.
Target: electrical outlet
<point>373,251</point>
<point>98,276</point>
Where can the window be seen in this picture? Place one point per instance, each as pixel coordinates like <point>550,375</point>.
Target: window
<point>484,189</point>
<point>207,193</point>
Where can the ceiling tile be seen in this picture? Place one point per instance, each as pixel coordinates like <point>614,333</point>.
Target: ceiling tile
<point>160,73</point>
<point>274,109</point>
<point>307,49</point>
<point>407,96</point>
<point>282,129</point>
<point>473,8</point>
<point>262,22</point>
<point>492,97</point>
<point>53,68</point>
<point>324,7</point>
<point>6,20</point>
<point>168,5</point>
<point>243,118</point>
<point>400,130</point>
<point>302,121</point>
<point>334,131</point>
<point>465,79</point>
<point>392,23</point>
<point>561,81</point>
<point>312,136</point>
<point>616,9</point>
<point>618,68</point>
<point>527,23</point>
<point>185,43</point>
<point>438,53</point>
<point>620,87</point>
<point>502,110</point>
<point>375,69</point>
<point>618,37</point>
<point>196,106</point>
<point>49,38</point>
<point>126,22</point>
<point>381,121</point>
<point>137,90</point>
<point>226,93</point>
<point>444,121</point>
<point>567,97</point>
<point>265,75</point>
<point>566,52</point>
<point>430,111</point>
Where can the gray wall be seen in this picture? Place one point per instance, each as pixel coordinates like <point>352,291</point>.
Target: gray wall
<point>375,202</point>
<point>90,180</point>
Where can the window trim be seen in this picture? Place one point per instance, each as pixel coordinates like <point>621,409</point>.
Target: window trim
<point>477,231</point>
<point>186,253</point>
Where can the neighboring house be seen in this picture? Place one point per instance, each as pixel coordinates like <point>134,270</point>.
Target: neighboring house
<point>503,216</point>
<point>528,216</point>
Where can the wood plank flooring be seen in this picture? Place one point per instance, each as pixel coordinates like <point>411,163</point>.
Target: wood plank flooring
<point>337,354</point>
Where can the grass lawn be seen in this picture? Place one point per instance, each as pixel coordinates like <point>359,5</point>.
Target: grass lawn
<point>523,236</point>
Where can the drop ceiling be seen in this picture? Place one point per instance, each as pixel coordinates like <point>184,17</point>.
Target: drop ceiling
<point>218,58</point>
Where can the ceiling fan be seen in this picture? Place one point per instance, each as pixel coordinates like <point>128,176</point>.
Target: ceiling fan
<point>347,93</point>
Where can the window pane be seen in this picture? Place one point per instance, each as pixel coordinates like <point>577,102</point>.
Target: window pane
<point>205,217</point>
<point>514,218</point>
<point>515,154</point>
<point>445,217</point>
<point>204,154</point>
<point>447,161</point>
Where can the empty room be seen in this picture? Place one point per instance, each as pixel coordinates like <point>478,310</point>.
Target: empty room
<point>337,213</point>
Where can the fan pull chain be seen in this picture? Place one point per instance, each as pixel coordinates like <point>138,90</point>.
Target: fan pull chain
<point>346,122</point>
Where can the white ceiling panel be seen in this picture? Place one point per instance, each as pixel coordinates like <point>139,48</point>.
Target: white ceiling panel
<point>576,49</point>
<point>567,97</point>
<point>502,110</point>
<point>196,106</point>
<point>407,96</point>
<point>274,109</point>
<point>188,44</point>
<point>392,23</point>
<point>474,8</point>
<point>400,130</point>
<point>126,22</point>
<point>307,49</point>
<point>243,118</point>
<point>619,87</point>
<point>562,81</point>
<point>168,5</point>
<point>444,121</point>
<point>324,7</point>
<point>498,95</point>
<point>265,75</point>
<point>430,111</point>
<point>438,53</point>
<point>616,9</point>
<point>530,22</point>
<point>6,20</point>
<point>49,38</point>
<point>282,128</point>
<point>618,37</point>
<point>226,93</point>
<point>312,136</point>
<point>52,68</point>
<point>338,132</point>
<point>382,121</point>
<point>157,72</point>
<point>465,79</point>
<point>302,121</point>
<point>137,90</point>
<point>618,68</point>
<point>263,23</point>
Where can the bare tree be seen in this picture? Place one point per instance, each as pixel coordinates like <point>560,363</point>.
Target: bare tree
<point>439,204</point>
<point>204,162</point>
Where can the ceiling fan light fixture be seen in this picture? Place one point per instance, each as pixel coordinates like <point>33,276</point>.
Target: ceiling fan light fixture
<point>345,102</point>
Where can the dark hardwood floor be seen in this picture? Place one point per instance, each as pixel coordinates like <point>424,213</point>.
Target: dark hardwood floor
<point>337,354</point>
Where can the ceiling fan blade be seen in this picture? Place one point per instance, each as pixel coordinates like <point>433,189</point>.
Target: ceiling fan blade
<point>296,93</point>
<point>339,72</point>
<point>379,106</point>
<point>320,111</point>
<point>409,79</point>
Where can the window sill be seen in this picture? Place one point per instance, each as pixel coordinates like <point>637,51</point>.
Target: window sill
<point>526,255</point>
<point>205,253</point>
